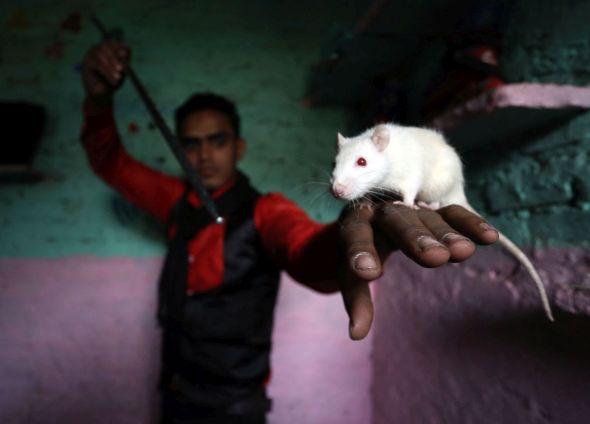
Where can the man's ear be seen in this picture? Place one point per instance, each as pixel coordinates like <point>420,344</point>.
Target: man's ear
<point>241,148</point>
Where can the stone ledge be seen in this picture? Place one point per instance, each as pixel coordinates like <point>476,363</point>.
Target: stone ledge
<point>510,111</point>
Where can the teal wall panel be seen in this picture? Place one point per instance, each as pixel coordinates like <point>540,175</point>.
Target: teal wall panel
<point>536,188</point>
<point>257,53</point>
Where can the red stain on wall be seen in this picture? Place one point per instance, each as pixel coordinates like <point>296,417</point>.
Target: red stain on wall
<point>55,50</point>
<point>73,22</point>
<point>133,128</point>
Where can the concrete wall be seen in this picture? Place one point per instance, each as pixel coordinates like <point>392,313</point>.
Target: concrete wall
<point>466,343</point>
<point>537,187</point>
<point>256,53</point>
<point>469,343</point>
<point>79,343</point>
<point>78,265</point>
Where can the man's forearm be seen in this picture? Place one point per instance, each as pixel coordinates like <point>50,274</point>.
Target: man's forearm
<point>319,263</point>
<point>324,286</point>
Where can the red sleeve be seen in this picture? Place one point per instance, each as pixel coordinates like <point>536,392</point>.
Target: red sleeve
<point>145,187</point>
<point>307,250</point>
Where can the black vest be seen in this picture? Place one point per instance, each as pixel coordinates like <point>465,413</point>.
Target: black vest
<point>216,344</point>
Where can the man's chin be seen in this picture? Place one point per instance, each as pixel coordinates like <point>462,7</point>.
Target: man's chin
<point>212,183</point>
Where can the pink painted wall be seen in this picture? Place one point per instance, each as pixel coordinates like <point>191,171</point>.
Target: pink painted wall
<point>320,375</point>
<point>79,343</point>
<point>469,343</point>
<point>78,340</point>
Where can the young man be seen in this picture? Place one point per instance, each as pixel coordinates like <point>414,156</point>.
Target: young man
<point>219,283</point>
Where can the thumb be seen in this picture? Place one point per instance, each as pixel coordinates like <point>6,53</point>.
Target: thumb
<point>359,306</point>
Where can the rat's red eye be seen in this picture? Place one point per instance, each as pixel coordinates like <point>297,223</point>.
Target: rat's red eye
<point>361,162</point>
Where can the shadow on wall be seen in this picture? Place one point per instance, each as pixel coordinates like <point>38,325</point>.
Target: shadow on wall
<point>563,346</point>
<point>470,343</point>
<point>485,159</point>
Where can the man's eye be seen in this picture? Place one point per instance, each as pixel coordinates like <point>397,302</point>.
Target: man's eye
<point>190,144</point>
<point>220,142</point>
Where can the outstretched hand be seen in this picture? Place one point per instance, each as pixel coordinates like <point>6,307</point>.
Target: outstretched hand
<point>430,238</point>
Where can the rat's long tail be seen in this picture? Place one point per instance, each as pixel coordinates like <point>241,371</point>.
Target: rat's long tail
<point>517,253</point>
<point>525,261</point>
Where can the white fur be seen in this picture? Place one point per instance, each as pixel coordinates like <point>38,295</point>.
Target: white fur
<point>416,163</point>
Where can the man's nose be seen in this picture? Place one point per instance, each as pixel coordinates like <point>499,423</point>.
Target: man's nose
<point>205,152</point>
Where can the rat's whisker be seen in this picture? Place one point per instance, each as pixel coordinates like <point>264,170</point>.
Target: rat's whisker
<point>319,196</point>
<point>322,170</point>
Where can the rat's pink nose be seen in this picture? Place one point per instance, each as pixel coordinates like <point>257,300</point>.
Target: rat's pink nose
<point>338,190</point>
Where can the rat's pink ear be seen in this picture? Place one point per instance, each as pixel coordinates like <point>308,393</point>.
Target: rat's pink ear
<point>380,137</point>
<point>341,140</point>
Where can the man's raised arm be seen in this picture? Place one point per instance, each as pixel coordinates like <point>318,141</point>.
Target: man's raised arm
<point>102,75</point>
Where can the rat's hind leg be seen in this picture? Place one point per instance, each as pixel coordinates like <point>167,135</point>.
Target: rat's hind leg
<point>455,197</point>
<point>432,205</point>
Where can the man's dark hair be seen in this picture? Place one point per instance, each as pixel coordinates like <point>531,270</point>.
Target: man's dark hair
<point>208,101</point>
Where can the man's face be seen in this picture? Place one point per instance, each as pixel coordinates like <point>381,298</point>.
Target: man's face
<point>211,146</point>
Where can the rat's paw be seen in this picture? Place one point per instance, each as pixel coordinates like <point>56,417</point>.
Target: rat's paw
<point>362,204</point>
<point>433,206</point>
<point>367,204</point>
<point>400,202</point>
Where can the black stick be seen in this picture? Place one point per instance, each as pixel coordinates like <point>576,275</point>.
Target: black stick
<point>167,134</point>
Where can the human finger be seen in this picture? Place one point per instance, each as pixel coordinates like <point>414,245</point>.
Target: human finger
<point>357,238</point>
<point>469,224</point>
<point>460,247</point>
<point>403,226</point>
<point>358,304</point>
<point>110,67</point>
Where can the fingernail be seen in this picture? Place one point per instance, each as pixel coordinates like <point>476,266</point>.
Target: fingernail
<point>451,237</point>
<point>487,227</point>
<point>363,262</point>
<point>427,242</point>
<point>350,328</point>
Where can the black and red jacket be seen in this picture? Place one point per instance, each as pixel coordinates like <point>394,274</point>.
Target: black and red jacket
<point>232,269</point>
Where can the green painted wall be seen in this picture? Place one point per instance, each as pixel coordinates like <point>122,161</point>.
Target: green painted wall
<point>257,53</point>
<point>538,191</point>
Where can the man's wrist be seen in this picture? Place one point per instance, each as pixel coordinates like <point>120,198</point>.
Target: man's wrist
<point>97,105</point>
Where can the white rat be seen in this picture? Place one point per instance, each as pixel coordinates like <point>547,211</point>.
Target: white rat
<point>417,164</point>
